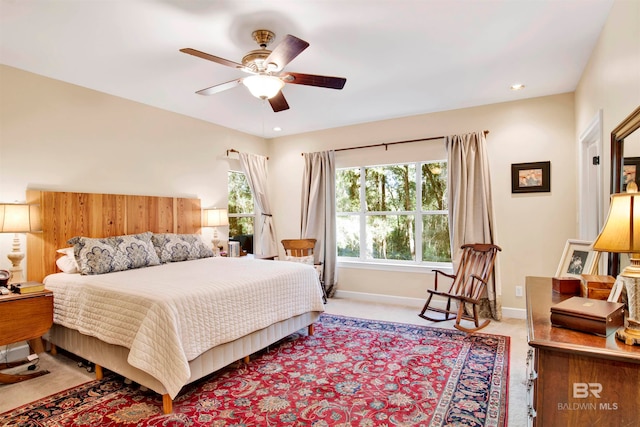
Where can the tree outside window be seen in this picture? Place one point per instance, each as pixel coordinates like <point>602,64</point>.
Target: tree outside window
<point>393,213</point>
<point>241,206</point>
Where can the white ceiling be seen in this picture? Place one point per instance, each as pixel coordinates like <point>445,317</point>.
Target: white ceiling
<point>400,57</point>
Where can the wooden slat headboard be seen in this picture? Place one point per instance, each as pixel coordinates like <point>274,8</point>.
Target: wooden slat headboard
<point>65,215</point>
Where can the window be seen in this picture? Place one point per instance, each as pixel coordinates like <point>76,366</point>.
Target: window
<point>241,206</point>
<point>393,213</point>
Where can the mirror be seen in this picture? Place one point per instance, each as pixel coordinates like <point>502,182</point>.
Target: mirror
<point>618,136</point>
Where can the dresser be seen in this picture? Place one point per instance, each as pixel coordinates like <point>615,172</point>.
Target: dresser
<point>575,378</point>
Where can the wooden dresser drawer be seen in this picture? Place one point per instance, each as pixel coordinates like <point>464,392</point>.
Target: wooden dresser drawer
<point>25,317</point>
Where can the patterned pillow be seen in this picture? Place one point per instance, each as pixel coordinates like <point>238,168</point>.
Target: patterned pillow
<point>180,247</point>
<point>99,256</point>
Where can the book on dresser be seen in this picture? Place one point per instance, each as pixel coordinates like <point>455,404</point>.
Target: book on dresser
<point>28,287</point>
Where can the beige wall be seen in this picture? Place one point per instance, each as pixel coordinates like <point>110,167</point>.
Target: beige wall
<point>611,80</point>
<point>61,137</point>
<point>531,228</point>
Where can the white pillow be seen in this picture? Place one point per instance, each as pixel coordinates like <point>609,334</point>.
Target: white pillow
<point>302,259</point>
<point>66,251</point>
<point>67,264</point>
<point>69,252</point>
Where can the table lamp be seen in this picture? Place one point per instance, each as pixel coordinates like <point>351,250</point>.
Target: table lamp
<point>621,234</point>
<point>18,218</point>
<point>215,217</point>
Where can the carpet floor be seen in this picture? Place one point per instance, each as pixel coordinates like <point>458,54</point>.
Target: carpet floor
<point>351,372</point>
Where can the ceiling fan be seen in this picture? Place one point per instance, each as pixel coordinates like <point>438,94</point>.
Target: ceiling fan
<point>266,68</point>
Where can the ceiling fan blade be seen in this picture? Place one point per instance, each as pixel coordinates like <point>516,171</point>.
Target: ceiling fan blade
<point>219,88</point>
<point>286,51</point>
<point>212,58</point>
<point>313,80</point>
<point>278,103</point>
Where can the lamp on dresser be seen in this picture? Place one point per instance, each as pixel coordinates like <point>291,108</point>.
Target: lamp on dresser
<point>215,217</point>
<point>621,234</point>
<point>18,218</point>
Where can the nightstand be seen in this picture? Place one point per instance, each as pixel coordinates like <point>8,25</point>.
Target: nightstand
<point>24,317</point>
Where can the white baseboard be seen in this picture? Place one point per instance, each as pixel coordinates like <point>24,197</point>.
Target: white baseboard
<point>515,313</point>
<point>13,352</point>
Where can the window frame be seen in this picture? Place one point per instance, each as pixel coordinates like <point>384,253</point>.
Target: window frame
<point>243,215</point>
<point>418,214</point>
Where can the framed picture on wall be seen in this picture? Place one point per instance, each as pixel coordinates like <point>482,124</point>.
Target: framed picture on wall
<point>630,172</point>
<point>531,177</point>
<point>578,258</point>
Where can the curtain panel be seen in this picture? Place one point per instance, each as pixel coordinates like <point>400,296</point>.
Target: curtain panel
<point>255,169</point>
<point>471,206</point>
<point>318,212</point>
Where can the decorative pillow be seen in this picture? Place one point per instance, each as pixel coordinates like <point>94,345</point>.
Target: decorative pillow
<point>180,247</point>
<point>99,256</point>
<point>67,264</point>
<point>302,259</point>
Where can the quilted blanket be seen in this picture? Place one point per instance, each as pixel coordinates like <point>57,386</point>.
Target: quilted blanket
<point>169,314</point>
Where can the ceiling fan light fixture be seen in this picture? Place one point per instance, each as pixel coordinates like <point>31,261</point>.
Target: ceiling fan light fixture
<point>263,86</point>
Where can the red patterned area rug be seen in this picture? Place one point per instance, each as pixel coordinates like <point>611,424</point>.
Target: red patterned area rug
<point>351,372</point>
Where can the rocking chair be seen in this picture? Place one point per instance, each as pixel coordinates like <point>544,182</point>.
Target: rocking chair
<point>469,283</point>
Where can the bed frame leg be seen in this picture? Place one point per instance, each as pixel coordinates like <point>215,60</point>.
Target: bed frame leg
<point>99,373</point>
<point>247,359</point>
<point>167,404</point>
<point>310,329</point>
<point>54,350</point>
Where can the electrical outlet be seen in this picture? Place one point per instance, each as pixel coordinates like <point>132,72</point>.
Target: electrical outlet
<point>518,291</point>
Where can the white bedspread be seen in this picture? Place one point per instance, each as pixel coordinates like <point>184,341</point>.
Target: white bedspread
<point>169,314</point>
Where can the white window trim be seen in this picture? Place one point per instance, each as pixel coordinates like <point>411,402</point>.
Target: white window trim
<point>393,265</point>
<point>399,266</point>
<point>254,215</point>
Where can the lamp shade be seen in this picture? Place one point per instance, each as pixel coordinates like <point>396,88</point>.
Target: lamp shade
<point>621,231</point>
<point>215,217</point>
<point>263,86</point>
<point>19,218</point>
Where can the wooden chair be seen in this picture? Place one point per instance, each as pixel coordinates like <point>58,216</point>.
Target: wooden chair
<point>304,248</point>
<point>468,285</point>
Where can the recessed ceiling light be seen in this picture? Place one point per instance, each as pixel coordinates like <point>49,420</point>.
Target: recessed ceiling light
<point>277,129</point>
<point>517,86</point>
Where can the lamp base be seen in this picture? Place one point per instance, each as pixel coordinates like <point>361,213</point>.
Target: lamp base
<point>633,269</point>
<point>16,256</point>
<point>631,333</point>
<point>629,336</point>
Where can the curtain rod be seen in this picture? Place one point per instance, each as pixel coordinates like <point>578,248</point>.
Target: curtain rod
<point>233,150</point>
<point>386,144</point>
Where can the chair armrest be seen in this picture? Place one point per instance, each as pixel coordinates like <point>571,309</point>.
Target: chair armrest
<point>450,276</point>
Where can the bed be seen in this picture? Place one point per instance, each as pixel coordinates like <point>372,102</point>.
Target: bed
<point>166,324</point>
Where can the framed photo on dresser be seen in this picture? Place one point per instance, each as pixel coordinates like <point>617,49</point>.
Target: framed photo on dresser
<point>578,258</point>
